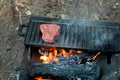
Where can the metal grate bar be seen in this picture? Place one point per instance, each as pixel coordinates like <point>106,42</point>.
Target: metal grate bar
<point>33,33</point>
<point>81,35</point>
<point>37,34</point>
<point>29,32</point>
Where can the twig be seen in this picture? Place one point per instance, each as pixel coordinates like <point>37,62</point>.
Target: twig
<point>20,15</point>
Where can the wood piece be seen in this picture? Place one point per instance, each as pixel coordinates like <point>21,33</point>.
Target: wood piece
<point>67,69</point>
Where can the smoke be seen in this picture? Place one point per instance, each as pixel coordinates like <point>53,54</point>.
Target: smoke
<point>103,39</point>
<point>99,36</point>
<point>93,35</point>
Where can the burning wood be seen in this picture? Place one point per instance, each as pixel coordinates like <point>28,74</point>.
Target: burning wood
<point>79,51</point>
<point>51,55</point>
<point>96,55</point>
<point>64,53</point>
<point>66,68</point>
<point>41,78</point>
<point>64,63</point>
<point>45,59</point>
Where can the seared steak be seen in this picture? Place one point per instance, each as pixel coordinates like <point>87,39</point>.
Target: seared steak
<point>49,32</point>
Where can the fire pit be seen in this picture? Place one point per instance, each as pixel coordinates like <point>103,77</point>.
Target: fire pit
<point>84,50</point>
<point>65,64</point>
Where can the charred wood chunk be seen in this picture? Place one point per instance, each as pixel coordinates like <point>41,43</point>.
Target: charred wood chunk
<point>83,71</point>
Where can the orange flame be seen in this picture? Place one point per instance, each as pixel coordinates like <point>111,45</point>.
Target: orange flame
<point>79,52</point>
<point>94,57</point>
<point>64,53</point>
<point>45,59</point>
<point>54,53</point>
<point>40,78</point>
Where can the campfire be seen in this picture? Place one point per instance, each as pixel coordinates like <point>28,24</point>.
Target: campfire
<point>49,56</point>
<point>53,61</point>
<point>77,53</point>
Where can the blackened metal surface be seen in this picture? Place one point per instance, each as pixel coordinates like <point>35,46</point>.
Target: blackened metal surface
<point>108,71</point>
<point>24,71</point>
<point>76,34</point>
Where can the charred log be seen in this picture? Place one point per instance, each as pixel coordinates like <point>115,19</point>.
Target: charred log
<point>67,69</point>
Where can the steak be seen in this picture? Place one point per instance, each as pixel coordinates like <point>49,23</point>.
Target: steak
<point>49,32</point>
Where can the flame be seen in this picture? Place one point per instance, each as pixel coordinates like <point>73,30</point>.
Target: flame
<point>71,51</point>
<point>79,51</point>
<point>40,78</point>
<point>94,57</point>
<point>64,53</point>
<point>53,54</point>
<point>52,57</point>
<point>45,59</point>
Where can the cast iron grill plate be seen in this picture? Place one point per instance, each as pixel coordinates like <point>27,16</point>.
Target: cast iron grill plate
<point>76,34</point>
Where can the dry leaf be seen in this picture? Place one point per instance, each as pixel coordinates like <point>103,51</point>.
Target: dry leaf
<point>19,4</point>
<point>28,12</point>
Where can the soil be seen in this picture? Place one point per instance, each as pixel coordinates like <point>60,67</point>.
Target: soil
<point>15,12</point>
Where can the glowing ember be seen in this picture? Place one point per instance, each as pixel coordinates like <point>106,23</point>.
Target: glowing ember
<point>96,55</point>
<point>45,59</point>
<point>51,55</point>
<point>65,54</point>
<point>55,52</point>
<point>79,51</point>
<point>40,78</point>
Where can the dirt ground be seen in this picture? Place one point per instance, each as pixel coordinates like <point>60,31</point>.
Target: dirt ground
<point>15,12</point>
